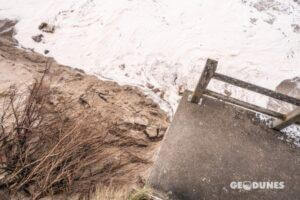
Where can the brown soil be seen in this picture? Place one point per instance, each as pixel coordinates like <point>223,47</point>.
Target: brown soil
<point>127,107</point>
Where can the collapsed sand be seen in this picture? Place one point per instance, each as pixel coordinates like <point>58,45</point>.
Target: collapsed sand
<point>137,122</point>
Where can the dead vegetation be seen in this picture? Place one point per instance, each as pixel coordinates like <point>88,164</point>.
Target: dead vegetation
<point>112,193</point>
<point>48,148</point>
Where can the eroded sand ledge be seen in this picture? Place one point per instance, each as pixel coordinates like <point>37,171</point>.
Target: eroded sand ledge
<point>141,121</point>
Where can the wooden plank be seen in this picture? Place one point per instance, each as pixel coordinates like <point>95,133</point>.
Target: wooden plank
<point>245,104</point>
<point>257,89</point>
<point>207,74</point>
<point>291,118</point>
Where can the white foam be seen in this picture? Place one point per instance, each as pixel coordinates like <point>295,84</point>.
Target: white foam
<point>291,133</point>
<point>166,42</point>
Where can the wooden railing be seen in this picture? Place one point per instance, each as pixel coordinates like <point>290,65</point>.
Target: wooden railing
<point>209,72</point>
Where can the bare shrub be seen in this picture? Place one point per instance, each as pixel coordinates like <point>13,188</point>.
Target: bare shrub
<point>45,148</point>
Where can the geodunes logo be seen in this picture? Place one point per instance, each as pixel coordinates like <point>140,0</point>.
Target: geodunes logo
<point>251,185</point>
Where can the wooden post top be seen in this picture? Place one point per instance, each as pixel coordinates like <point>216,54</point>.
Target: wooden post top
<point>207,73</point>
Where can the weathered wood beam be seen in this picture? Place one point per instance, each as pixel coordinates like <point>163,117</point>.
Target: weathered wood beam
<point>245,104</point>
<point>207,74</point>
<point>257,89</point>
<point>291,118</point>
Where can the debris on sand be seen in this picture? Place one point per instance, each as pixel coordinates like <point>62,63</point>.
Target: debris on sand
<point>155,132</point>
<point>7,30</point>
<point>48,28</point>
<point>38,38</point>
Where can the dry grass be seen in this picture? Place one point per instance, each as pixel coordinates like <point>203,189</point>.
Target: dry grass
<point>112,193</point>
<point>141,194</point>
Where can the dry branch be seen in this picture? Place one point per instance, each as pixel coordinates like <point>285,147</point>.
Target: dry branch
<point>47,149</point>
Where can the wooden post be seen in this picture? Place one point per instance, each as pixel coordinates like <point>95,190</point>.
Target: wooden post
<point>245,104</point>
<point>291,118</point>
<point>258,89</point>
<point>207,74</point>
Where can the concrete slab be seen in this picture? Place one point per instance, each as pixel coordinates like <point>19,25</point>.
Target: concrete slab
<point>209,146</point>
